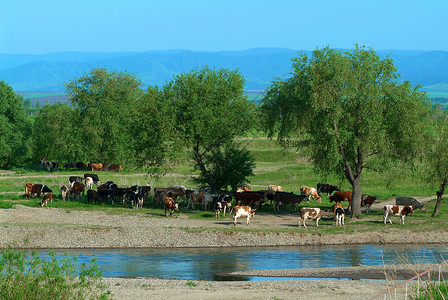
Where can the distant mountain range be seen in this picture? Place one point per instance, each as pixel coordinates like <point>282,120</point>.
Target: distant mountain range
<point>48,72</point>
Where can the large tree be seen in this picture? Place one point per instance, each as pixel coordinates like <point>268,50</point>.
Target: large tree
<point>105,101</point>
<point>210,111</point>
<point>15,128</point>
<point>56,134</point>
<point>436,155</point>
<point>349,111</point>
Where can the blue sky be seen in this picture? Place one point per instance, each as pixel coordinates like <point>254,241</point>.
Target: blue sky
<point>44,26</point>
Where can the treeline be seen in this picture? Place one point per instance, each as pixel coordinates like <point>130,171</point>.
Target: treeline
<point>111,119</point>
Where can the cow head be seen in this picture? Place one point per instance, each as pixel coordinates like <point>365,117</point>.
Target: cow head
<point>252,212</point>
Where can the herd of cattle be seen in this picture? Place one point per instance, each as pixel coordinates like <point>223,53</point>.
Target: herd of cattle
<point>51,165</point>
<point>245,204</point>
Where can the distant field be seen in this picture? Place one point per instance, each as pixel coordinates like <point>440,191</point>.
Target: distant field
<point>44,97</point>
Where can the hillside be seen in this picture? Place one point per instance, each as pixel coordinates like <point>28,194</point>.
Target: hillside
<point>48,72</point>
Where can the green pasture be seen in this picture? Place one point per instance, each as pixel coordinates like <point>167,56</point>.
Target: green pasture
<point>273,166</point>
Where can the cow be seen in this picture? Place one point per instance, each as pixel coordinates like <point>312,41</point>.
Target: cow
<point>92,197</point>
<point>275,188</point>
<point>409,201</point>
<point>270,194</point>
<point>339,215</point>
<point>326,188</point>
<point>28,188</point>
<point>77,189</point>
<point>197,197</point>
<point>177,191</point>
<point>46,198</point>
<point>89,183</point>
<point>114,168</point>
<point>123,193</point>
<point>250,198</point>
<point>81,166</point>
<point>243,188</point>
<point>242,211</point>
<point>95,178</point>
<point>64,192</point>
<point>208,199</point>
<point>94,166</point>
<point>221,206</point>
<point>45,189</point>
<point>340,196</point>
<point>170,205</point>
<point>36,189</point>
<point>106,193</point>
<point>396,210</point>
<point>310,192</point>
<point>48,164</point>
<point>73,179</point>
<point>283,198</point>
<point>138,195</point>
<point>313,213</point>
<point>367,201</point>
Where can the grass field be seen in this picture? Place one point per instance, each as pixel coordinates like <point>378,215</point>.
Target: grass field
<point>273,166</point>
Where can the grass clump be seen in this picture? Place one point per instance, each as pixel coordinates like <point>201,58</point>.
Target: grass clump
<point>433,290</point>
<point>25,275</point>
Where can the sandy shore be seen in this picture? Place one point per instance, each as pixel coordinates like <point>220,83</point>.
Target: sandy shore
<point>37,227</point>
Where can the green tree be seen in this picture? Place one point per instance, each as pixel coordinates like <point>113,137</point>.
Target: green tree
<point>56,135</point>
<point>151,125</point>
<point>15,128</point>
<point>104,101</point>
<point>210,111</point>
<point>436,156</point>
<point>349,112</point>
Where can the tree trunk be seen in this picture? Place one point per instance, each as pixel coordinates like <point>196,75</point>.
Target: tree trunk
<point>204,172</point>
<point>439,199</point>
<point>356,197</point>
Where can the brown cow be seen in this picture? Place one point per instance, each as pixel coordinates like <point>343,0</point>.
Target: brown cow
<point>92,197</point>
<point>197,197</point>
<point>342,196</point>
<point>96,166</point>
<point>28,188</point>
<point>170,205</point>
<point>275,188</point>
<point>310,192</point>
<point>36,189</point>
<point>114,168</point>
<point>47,197</point>
<point>77,189</point>
<point>367,201</point>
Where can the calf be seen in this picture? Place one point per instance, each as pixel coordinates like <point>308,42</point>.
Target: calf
<point>95,178</point>
<point>311,213</point>
<point>221,206</point>
<point>310,192</point>
<point>396,210</point>
<point>64,192</point>
<point>170,205</point>
<point>103,195</point>
<point>283,198</point>
<point>92,197</point>
<point>242,211</point>
<point>89,183</point>
<point>326,188</point>
<point>28,188</point>
<point>339,215</point>
<point>77,189</point>
<point>45,189</point>
<point>46,198</point>
<point>138,195</point>
<point>409,201</point>
<point>367,201</point>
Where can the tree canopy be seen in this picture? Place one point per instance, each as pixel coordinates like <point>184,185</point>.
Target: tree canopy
<point>210,110</point>
<point>349,111</point>
<point>15,128</point>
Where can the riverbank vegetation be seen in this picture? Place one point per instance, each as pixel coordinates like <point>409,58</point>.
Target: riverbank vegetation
<point>27,275</point>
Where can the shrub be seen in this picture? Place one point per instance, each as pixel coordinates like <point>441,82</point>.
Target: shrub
<point>25,275</point>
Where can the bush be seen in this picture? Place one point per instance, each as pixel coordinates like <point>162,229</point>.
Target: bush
<point>433,291</point>
<point>26,275</point>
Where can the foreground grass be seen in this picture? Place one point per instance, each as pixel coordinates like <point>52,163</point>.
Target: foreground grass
<point>25,275</point>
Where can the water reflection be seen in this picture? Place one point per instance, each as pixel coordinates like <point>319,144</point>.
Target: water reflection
<point>206,263</point>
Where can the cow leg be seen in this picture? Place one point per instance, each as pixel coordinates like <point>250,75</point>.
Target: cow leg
<point>317,222</point>
<point>234,220</point>
<point>248,220</point>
